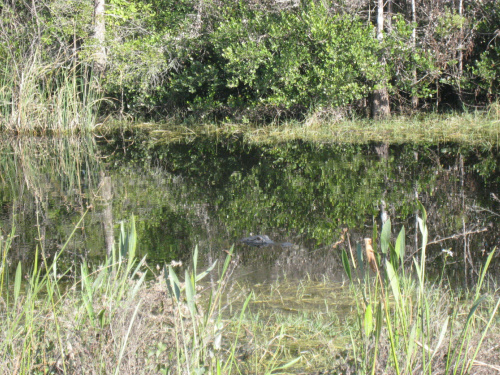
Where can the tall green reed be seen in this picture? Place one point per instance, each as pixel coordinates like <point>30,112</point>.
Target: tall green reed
<point>108,317</point>
<point>199,348</point>
<point>401,311</point>
<point>35,307</point>
<point>38,97</point>
<point>40,292</point>
<point>206,343</point>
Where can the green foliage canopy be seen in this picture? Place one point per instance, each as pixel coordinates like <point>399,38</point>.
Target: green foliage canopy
<point>303,58</point>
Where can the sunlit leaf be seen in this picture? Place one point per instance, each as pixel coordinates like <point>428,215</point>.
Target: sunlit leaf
<point>385,237</point>
<point>345,263</point>
<point>441,336</point>
<point>393,281</point>
<point>368,320</point>
<point>399,248</point>
<point>17,282</point>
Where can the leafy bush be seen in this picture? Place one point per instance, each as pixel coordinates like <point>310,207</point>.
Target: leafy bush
<point>300,58</point>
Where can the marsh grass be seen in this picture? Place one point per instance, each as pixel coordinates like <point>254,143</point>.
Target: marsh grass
<point>47,98</point>
<point>120,316</point>
<point>407,324</point>
<point>47,325</point>
<point>109,318</point>
<point>480,128</point>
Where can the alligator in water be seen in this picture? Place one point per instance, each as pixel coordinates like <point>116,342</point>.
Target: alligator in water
<point>262,240</point>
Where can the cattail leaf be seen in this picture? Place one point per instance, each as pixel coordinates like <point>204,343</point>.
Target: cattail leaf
<point>345,263</point>
<point>385,237</point>
<point>368,320</point>
<point>17,282</point>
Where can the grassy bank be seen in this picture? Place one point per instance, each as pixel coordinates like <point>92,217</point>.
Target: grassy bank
<point>477,128</point>
<point>123,317</point>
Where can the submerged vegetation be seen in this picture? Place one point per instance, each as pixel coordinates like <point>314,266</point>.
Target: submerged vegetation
<point>122,316</point>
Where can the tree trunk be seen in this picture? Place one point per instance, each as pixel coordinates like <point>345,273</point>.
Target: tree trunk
<point>389,16</point>
<point>99,36</point>
<point>414,97</point>
<point>380,97</point>
<point>461,47</point>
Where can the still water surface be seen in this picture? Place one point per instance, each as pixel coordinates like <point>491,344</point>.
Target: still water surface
<point>210,193</point>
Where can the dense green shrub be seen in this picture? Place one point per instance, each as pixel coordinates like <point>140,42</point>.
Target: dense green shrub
<point>255,59</point>
<point>485,77</point>
<point>243,57</point>
<point>306,57</point>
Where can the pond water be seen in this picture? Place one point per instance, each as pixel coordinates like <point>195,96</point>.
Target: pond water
<point>210,193</point>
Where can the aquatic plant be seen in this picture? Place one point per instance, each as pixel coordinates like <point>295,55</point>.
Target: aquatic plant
<point>48,321</point>
<point>403,325</point>
<point>121,316</point>
<point>109,318</point>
